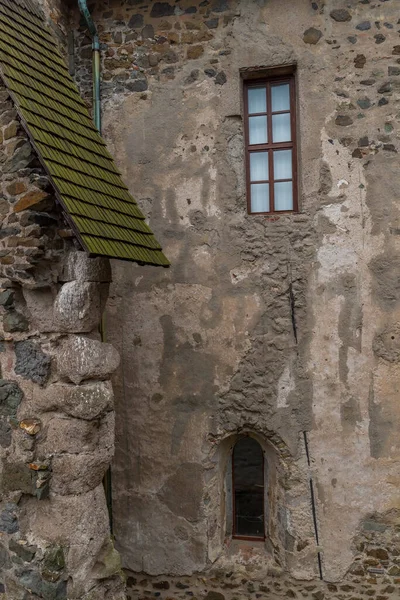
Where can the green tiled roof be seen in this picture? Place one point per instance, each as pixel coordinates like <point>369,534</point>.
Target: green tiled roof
<point>98,205</point>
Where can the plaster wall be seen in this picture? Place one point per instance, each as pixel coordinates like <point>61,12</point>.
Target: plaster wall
<point>272,326</point>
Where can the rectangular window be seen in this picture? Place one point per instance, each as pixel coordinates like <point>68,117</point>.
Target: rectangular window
<point>270,134</point>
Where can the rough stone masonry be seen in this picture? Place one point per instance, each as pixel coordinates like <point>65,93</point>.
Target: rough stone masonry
<point>56,400</point>
<point>270,326</point>
<point>209,348</point>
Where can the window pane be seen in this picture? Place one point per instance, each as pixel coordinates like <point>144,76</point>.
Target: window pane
<point>283,198</point>
<point>248,473</point>
<point>259,166</point>
<point>257,100</point>
<point>281,128</point>
<point>283,164</point>
<point>258,130</point>
<point>280,97</point>
<point>259,197</point>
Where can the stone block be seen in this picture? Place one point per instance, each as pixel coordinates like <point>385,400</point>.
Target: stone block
<point>16,187</point>
<point>21,159</point>
<point>77,474</point>
<point>69,435</point>
<point>81,358</point>
<point>16,477</point>
<point>10,398</point>
<point>4,559</point>
<point>13,321</point>
<point>5,433</point>
<point>40,304</point>
<point>88,401</point>
<point>108,561</point>
<point>312,36</point>
<point>31,362</point>
<point>35,198</point>
<point>23,550</point>
<point>9,518</point>
<point>79,266</point>
<point>77,308</point>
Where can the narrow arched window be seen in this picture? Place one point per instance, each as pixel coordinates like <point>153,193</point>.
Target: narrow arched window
<point>248,489</point>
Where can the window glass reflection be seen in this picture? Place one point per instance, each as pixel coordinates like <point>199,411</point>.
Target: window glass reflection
<point>259,166</point>
<point>281,128</point>
<point>280,97</point>
<point>259,197</point>
<point>283,198</point>
<point>283,164</point>
<point>257,100</point>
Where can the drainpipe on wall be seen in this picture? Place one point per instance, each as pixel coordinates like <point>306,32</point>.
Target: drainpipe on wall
<point>97,121</point>
<point>96,62</point>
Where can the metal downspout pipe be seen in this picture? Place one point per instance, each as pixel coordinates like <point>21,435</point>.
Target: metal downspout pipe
<point>97,121</point>
<point>96,62</point>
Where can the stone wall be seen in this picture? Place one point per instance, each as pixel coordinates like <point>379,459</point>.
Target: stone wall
<point>56,400</point>
<point>267,326</point>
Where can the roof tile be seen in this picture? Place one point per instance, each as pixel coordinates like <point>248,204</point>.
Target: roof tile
<point>101,210</point>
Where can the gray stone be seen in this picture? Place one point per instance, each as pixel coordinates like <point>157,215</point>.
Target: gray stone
<point>385,87</point>
<point>343,120</point>
<point>89,401</point>
<point>393,71</point>
<point>340,14</point>
<point>5,433</point>
<point>214,596</point>
<point>148,32</point>
<point>137,85</point>
<point>24,551</point>
<point>364,26</point>
<point>4,559</point>
<point>220,6</point>
<point>79,266</point>
<point>212,23</point>
<point>162,9</point>
<point>22,157</point>
<point>54,559</point>
<point>40,305</point>
<point>79,473</point>
<point>379,38</point>
<point>312,36</point>
<point>136,21</point>
<point>77,308</point>
<point>13,321</point>
<point>71,436</point>
<point>8,518</point>
<point>364,103</point>
<point>220,78</point>
<point>31,362</point>
<point>10,398</point>
<point>7,298</point>
<point>16,476</point>
<point>81,358</point>
<point>108,561</point>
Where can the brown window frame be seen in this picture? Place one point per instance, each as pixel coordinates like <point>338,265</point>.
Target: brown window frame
<point>235,536</point>
<point>270,146</point>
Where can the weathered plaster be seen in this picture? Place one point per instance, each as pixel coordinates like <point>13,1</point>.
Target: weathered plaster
<point>268,326</point>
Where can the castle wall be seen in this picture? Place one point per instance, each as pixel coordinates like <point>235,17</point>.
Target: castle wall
<point>273,326</point>
<point>56,400</point>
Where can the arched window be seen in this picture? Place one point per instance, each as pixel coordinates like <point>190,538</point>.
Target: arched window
<point>248,489</point>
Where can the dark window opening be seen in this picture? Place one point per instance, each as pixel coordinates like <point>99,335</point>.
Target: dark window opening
<point>270,133</point>
<point>248,489</point>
